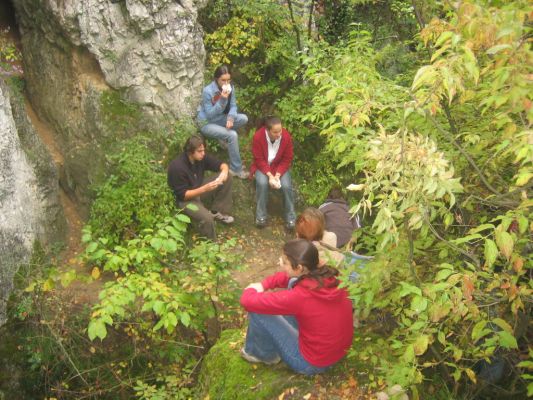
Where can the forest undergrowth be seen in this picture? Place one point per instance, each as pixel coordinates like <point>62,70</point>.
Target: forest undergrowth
<point>422,111</point>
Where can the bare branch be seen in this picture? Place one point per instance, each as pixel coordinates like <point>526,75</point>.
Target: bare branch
<point>453,246</point>
<point>295,26</point>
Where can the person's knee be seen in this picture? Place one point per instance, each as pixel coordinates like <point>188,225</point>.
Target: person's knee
<point>206,226</point>
<point>243,118</point>
<point>286,185</point>
<point>261,183</point>
<point>206,220</point>
<point>232,136</point>
<point>240,120</point>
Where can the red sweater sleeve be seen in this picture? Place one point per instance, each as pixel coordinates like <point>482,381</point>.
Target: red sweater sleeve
<point>278,280</point>
<point>259,153</point>
<point>282,302</point>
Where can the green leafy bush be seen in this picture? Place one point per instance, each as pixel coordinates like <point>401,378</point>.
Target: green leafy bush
<point>449,291</point>
<point>152,267</point>
<point>135,196</point>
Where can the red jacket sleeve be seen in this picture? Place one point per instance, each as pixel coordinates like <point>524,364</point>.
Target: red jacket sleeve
<point>287,154</point>
<point>259,153</point>
<point>283,302</point>
<point>278,280</point>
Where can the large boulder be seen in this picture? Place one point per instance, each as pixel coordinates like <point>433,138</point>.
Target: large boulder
<point>149,54</point>
<point>29,206</point>
<point>225,375</point>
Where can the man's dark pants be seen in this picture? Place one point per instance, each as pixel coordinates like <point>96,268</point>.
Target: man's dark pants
<point>202,217</point>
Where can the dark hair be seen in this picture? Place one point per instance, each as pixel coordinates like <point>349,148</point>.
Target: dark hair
<point>192,143</point>
<point>335,193</point>
<point>221,70</point>
<point>269,121</point>
<point>303,252</point>
<point>310,224</point>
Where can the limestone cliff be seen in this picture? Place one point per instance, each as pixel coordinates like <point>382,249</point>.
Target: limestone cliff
<point>151,52</point>
<point>29,204</point>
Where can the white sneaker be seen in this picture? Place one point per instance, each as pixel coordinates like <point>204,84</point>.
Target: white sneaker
<point>243,174</point>
<point>226,219</point>
<point>252,359</point>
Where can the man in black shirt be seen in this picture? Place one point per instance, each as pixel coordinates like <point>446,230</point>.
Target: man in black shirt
<point>190,186</point>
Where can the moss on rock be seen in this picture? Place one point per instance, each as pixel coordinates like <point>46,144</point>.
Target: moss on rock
<point>225,375</point>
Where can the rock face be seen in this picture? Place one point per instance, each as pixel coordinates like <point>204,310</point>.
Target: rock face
<point>29,204</point>
<point>150,52</point>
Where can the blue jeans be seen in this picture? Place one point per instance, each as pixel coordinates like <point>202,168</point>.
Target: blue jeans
<point>272,336</point>
<point>216,129</point>
<point>262,188</point>
<point>357,262</point>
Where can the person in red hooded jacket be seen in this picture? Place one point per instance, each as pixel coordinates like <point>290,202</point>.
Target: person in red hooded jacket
<point>309,324</point>
<point>273,153</point>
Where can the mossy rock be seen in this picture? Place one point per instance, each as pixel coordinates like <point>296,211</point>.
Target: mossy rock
<point>225,375</point>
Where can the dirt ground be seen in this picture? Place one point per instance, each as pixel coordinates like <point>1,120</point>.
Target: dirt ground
<point>260,248</point>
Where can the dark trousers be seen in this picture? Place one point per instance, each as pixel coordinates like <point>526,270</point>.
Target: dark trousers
<point>202,217</point>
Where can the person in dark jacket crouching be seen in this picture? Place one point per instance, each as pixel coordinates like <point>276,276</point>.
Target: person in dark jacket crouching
<point>338,218</point>
<point>309,325</point>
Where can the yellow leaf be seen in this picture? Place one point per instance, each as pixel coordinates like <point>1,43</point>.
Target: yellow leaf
<point>95,273</point>
<point>31,287</point>
<point>421,344</point>
<point>307,396</point>
<point>48,285</point>
<point>471,374</point>
<point>92,350</point>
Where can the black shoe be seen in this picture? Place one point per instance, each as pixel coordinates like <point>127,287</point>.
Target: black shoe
<point>261,223</point>
<point>290,225</point>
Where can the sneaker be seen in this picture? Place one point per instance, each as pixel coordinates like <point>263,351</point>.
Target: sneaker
<point>290,225</point>
<point>226,219</point>
<point>252,359</point>
<point>261,223</point>
<point>243,174</point>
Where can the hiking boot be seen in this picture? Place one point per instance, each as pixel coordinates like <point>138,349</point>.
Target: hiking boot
<point>225,219</point>
<point>242,175</point>
<point>252,359</point>
<point>261,223</point>
<point>290,225</point>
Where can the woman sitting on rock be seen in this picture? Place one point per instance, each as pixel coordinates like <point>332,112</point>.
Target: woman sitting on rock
<point>218,118</point>
<point>309,325</point>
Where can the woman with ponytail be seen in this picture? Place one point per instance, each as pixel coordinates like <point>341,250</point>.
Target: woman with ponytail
<point>308,325</point>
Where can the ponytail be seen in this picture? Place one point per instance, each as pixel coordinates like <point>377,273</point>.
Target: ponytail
<point>303,252</point>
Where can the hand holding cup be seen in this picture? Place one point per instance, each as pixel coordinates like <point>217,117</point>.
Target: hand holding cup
<point>226,88</point>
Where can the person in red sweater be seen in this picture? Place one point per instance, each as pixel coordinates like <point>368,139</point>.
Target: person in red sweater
<point>309,324</point>
<point>273,153</point>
